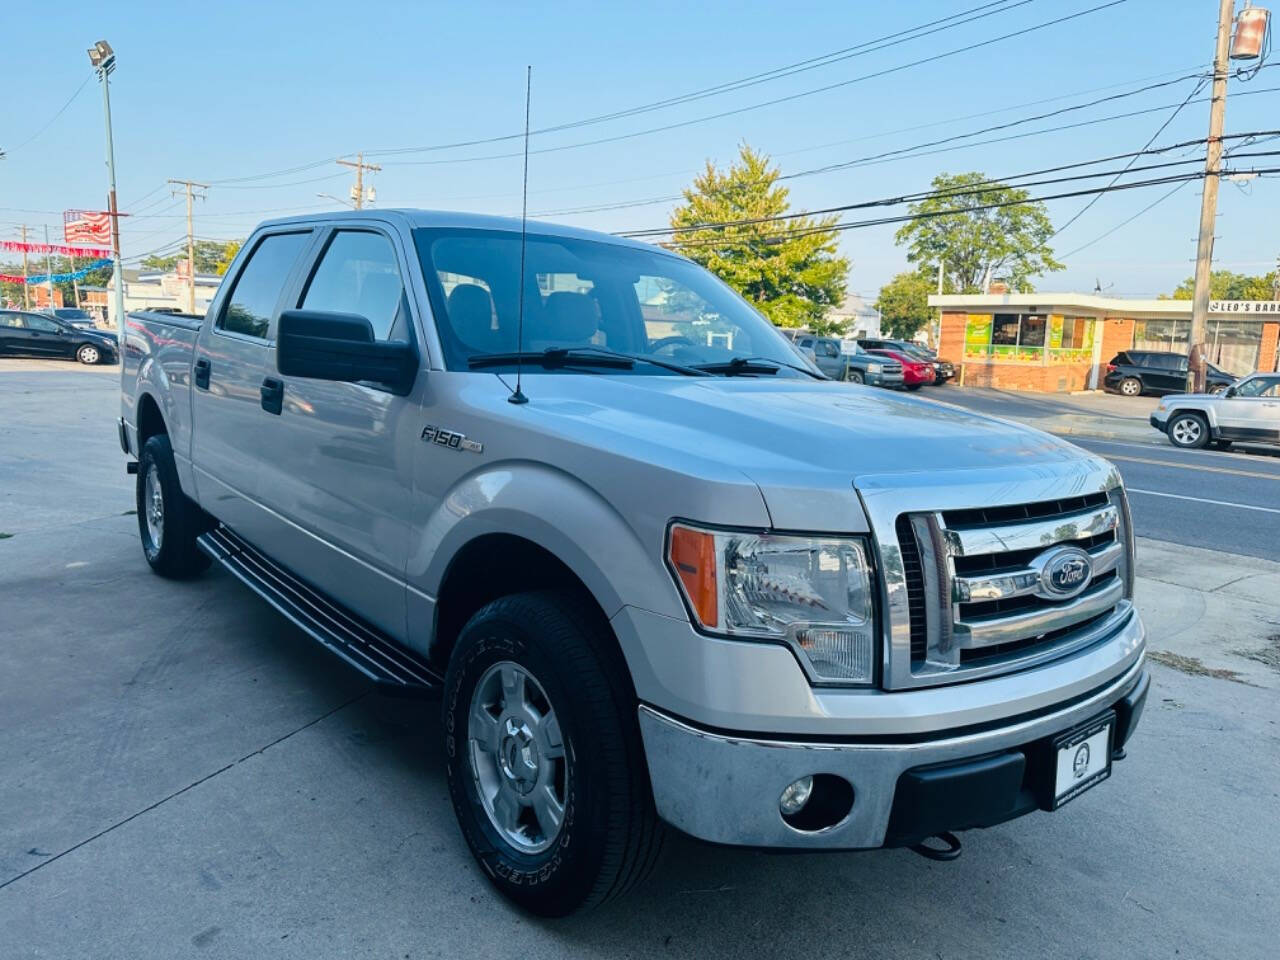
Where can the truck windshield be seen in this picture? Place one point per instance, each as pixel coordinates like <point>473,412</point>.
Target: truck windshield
<point>590,294</point>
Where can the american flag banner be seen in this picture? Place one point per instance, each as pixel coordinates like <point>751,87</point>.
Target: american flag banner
<point>87,226</point>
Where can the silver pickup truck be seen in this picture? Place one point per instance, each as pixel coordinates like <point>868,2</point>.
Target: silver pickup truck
<point>660,572</point>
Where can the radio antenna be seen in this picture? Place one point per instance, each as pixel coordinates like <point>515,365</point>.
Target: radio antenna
<point>518,395</point>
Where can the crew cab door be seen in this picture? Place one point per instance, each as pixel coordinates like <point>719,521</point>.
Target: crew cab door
<point>340,466</point>
<point>1252,412</point>
<point>229,437</point>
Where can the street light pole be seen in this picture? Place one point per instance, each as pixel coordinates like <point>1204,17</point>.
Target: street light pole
<point>1209,200</point>
<point>103,59</point>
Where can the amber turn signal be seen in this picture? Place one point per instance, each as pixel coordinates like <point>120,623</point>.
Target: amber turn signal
<point>693,558</point>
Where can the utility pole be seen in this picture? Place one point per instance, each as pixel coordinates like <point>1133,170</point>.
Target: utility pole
<point>190,186</point>
<point>26,291</point>
<point>1209,200</point>
<point>937,337</point>
<point>48,266</point>
<point>357,195</point>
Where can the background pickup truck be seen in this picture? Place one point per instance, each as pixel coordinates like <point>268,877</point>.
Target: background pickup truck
<point>840,363</point>
<point>658,570</point>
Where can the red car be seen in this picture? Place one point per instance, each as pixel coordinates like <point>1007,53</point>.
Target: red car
<point>915,372</point>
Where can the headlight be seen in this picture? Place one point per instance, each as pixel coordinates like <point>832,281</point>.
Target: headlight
<point>873,368</point>
<point>813,593</point>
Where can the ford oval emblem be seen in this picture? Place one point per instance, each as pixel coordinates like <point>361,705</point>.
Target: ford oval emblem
<point>1064,572</point>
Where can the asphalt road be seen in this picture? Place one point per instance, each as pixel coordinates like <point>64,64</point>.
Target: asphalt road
<point>183,774</point>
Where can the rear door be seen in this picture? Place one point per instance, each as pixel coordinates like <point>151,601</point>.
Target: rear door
<point>230,434</point>
<point>1253,413</point>
<point>13,334</point>
<point>340,466</point>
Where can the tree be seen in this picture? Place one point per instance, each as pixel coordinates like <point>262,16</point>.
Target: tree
<point>229,251</point>
<point>208,253</point>
<point>1225,285</point>
<point>788,268</point>
<point>904,304</point>
<point>1010,241</point>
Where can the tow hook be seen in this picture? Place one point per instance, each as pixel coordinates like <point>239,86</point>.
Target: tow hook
<point>951,852</point>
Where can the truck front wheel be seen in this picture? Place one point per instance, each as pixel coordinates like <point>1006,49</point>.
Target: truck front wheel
<point>546,768</point>
<point>168,520</point>
<point>854,376</point>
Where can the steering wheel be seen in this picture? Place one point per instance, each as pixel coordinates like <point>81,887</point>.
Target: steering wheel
<point>665,342</point>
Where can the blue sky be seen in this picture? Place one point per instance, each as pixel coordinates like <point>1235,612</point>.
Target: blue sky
<point>234,90</point>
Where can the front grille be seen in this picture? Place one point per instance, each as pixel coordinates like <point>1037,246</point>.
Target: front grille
<point>990,598</point>
<point>914,574</point>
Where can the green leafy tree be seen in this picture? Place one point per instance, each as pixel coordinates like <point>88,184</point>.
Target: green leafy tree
<point>904,304</point>
<point>208,254</point>
<point>229,251</point>
<point>1225,285</point>
<point>788,268</point>
<point>1010,241</point>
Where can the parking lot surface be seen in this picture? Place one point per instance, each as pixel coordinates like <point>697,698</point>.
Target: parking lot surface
<point>185,775</point>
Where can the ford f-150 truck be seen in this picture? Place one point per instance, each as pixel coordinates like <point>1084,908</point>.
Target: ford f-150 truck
<point>659,571</point>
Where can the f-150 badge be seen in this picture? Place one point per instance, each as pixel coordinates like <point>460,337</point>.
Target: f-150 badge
<point>450,439</point>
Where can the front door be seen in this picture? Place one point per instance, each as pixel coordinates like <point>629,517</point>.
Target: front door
<point>1252,412</point>
<point>230,428</point>
<point>340,473</point>
<point>45,338</point>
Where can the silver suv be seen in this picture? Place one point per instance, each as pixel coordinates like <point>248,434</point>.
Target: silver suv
<point>1248,411</point>
<point>659,572</point>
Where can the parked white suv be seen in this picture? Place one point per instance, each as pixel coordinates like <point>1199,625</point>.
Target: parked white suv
<point>1248,411</point>
<point>659,570</point>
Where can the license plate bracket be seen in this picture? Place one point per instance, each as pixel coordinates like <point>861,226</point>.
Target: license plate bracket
<point>1082,757</point>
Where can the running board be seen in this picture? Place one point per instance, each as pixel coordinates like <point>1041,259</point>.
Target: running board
<point>395,669</point>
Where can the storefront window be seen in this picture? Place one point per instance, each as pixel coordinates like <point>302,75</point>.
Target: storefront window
<point>1233,344</point>
<point>1029,337</point>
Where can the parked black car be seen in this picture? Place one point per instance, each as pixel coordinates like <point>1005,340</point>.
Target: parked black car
<point>943,370</point>
<point>28,334</point>
<point>1155,372</point>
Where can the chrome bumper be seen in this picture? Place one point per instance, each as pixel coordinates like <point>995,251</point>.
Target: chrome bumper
<point>725,788</point>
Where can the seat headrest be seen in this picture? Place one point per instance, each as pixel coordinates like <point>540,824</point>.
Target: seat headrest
<point>470,310</point>
<point>568,317</point>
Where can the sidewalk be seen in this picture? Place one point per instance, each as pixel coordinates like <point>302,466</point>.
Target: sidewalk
<point>1210,613</point>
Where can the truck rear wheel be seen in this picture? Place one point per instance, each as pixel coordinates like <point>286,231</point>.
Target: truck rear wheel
<point>168,520</point>
<point>546,767</point>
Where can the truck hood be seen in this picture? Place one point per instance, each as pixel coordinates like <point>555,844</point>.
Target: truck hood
<point>801,442</point>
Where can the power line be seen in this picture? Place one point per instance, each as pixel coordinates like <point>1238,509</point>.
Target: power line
<point>1150,140</point>
<point>767,103</point>
<point>868,46</point>
<point>60,112</point>
<point>1125,223</point>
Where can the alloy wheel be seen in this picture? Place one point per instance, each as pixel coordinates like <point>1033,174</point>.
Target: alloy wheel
<point>153,504</point>
<point>517,754</point>
<point>1187,431</point>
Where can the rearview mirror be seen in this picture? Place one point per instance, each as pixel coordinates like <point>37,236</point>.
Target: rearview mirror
<point>341,347</point>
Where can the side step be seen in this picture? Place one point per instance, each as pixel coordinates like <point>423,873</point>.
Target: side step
<point>395,669</point>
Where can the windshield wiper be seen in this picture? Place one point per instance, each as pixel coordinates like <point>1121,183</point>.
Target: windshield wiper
<point>587,356</point>
<point>740,366</point>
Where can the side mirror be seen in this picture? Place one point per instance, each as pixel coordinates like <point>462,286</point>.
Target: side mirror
<point>341,347</point>
<point>1230,391</point>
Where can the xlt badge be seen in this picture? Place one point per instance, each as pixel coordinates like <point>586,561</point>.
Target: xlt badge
<point>451,439</point>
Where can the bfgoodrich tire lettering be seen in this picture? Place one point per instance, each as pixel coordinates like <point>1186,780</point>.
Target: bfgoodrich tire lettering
<point>168,521</point>
<point>610,836</point>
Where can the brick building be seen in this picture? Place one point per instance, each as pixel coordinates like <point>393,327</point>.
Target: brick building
<point>1053,342</point>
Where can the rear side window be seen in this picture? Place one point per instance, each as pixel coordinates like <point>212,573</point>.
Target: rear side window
<point>257,291</point>
<point>358,274</point>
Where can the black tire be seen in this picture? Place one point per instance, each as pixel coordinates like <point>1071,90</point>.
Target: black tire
<point>609,837</point>
<point>175,555</point>
<point>1188,430</point>
<point>1131,387</point>
<point>1221,444</point>
<point>87,353</point>
<point>914,386</point>
<point>855,376</point>
<point>1217,388</point>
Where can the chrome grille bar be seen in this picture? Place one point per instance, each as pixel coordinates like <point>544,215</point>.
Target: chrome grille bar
<point>1026,580</point>
<point>1037,533</point>
<point>1006,628</point>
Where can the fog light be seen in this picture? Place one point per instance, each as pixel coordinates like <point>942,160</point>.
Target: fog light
<point>795,796</point>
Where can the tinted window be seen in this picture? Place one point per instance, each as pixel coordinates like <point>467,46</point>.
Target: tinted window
<point>830,348</point>
<point>253,300</point>
<point>11,320</point>
<point>1259,387</point>
<point>43,324</point>
<point>1166,361</point>
<point>358,274</point>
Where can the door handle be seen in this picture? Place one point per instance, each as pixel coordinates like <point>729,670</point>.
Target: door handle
<point>272,392</point>
<point>203,368</point>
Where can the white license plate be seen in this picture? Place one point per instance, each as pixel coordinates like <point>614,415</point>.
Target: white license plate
<point>1083,758</point>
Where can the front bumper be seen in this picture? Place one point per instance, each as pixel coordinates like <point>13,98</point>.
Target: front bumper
<point>1160,423</point>
<point>724,788</point>
<point>884,379</point>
